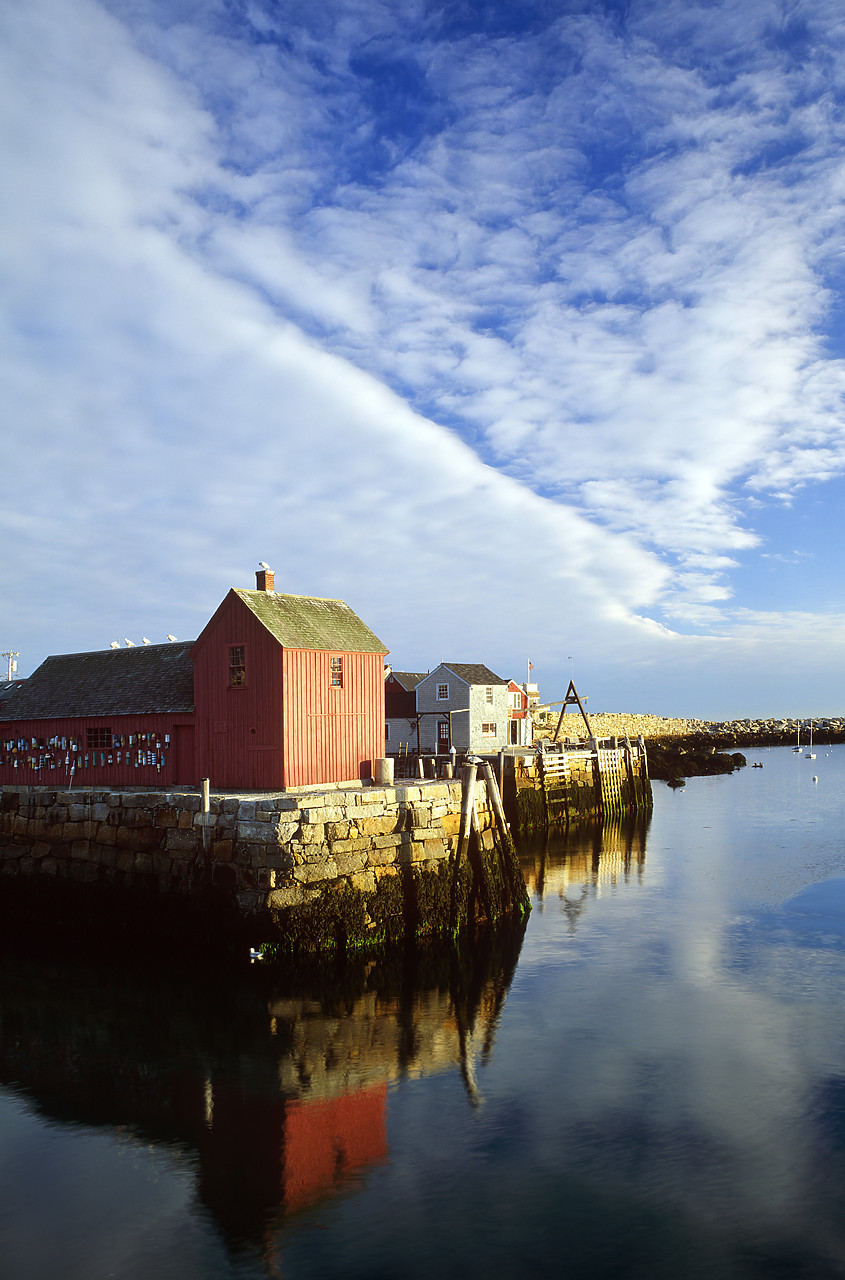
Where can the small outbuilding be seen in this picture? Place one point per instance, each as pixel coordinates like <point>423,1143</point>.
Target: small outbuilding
<point>400,711</point>
<point>289,692</point>
<point>520,732</point>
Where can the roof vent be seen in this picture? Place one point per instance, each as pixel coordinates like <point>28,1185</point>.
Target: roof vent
<point>265,579</point>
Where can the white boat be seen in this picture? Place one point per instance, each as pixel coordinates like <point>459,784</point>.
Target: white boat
<point>811,755</point>
<point>797,746</point>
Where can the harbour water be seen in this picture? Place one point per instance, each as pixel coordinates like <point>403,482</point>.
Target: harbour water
<point>648,1082</point>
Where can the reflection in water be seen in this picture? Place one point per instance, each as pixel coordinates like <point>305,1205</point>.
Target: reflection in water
<point>275,1083</point>
<point>665,1098</point>
<point>580,863</point>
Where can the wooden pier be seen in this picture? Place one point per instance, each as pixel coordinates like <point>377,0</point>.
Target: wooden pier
<point>560,784</point>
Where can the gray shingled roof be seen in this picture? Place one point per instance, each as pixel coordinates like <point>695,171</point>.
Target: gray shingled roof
<point>146,680</point>
<point>307,622</point>
<point>8,689</point>
<point>474,672</point>
<point>409,679</point>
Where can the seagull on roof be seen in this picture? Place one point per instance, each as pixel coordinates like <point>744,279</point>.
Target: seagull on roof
<point>171,638</point>
<point>262,564</point>
<point>115,644</point>
<point>145,640</point>
<point>130,644</point>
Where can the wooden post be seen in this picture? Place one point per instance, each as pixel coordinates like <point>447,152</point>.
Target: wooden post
<point>501,773</point>
<point>206,808</point>
<point>495,799</point>
<point>468,775</point>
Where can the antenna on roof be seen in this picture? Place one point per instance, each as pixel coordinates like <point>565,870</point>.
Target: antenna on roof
<point>171,638</point>
<point>115,644</point>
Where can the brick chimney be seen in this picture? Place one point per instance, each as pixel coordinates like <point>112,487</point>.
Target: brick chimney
<point>265,580</point>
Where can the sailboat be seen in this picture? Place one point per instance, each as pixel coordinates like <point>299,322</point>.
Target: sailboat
<point>797,747</point>
<point>811,755</point>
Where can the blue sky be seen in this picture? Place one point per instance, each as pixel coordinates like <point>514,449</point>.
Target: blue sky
<point>518,326</point>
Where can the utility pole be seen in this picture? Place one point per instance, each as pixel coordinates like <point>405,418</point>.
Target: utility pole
<point>10,657</point>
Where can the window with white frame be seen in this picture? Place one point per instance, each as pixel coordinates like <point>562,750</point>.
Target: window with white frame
<point>488,695</point>
<point>488,731</point>
<point>237,666</point>
<point>443,693</point>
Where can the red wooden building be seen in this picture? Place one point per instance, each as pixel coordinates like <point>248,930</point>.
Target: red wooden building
<point>289,692</point>
<point>113,718</point>
<point>278,691</point>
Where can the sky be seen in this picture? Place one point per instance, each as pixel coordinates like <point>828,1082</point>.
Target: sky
<point>519,325</point>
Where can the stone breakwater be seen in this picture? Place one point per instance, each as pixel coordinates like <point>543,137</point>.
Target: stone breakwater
<point>774,732</point>
<point>365,865</point>
<point>765,731</point>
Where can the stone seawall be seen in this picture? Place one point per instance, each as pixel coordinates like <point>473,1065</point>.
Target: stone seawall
<point>365,865</point>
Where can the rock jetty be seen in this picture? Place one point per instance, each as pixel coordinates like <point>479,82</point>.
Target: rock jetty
<point>681,748</point>
<point>772,732</point>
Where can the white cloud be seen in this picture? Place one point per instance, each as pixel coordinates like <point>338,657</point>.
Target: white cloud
<point>253,312</point>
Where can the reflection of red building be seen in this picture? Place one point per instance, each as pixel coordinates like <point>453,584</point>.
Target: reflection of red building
<point>328,1140</point>
<point>262,1156</point>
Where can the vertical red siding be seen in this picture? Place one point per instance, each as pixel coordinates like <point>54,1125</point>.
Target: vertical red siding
<point>332,734</point>
<point>239,730</point>
<point>169,768</point>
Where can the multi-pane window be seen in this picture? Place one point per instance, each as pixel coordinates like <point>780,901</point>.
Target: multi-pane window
<point>98,739</point>
<point>488,695</point>
<point>443,693</point>
<point>337,673</point>
<point>237,665</point>
<point>488,731</point>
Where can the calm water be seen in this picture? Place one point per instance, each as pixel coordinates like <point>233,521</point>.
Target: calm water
<point>650,1083</point>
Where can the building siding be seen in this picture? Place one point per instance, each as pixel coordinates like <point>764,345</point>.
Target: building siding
<point>466,726</point>
<point>332,734</point>
<point>154,740</point>
<point>240,740</point>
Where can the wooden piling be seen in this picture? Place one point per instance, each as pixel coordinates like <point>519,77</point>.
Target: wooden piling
<point>468,776</point>
<point>495,799</point>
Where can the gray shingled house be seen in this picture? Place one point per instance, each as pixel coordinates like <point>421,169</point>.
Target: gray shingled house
<point>465,705</point>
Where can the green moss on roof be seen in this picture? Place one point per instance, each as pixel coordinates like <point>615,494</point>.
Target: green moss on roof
<point>307,622</point>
